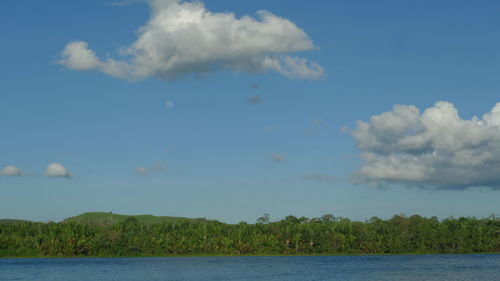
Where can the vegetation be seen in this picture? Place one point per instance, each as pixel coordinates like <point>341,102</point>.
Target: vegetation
<point>104,219</point>
<point>3,221</point>
<point>289,236</point>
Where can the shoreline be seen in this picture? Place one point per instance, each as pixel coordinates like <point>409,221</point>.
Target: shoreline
<point>249,255</point>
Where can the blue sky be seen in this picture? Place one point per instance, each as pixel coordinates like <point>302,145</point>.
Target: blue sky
<point>211,154</point>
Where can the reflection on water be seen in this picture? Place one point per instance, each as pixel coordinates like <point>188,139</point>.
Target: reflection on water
<point>408,267</point>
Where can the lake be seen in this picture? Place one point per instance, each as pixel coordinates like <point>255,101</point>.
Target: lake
<point>482,267</point>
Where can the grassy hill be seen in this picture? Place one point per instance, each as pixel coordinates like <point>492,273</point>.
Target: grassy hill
<point>5,221</point>
<point>102,218</point>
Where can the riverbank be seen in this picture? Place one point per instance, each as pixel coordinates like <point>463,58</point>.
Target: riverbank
<point>291,236</point>
<point>249,255</point>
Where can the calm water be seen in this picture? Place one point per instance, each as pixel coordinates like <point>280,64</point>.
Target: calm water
<point>362,268</point>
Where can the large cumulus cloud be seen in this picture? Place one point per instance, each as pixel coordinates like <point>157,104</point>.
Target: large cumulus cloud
<point>184,38</point>
<point>435,148</point>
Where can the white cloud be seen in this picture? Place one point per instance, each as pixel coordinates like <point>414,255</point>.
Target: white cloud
<point>435,148</point>
<point>11,171</point>
<point>146,170</point>
<point>142,171</point>
<point>57,170</point>
<point>320,177</point>
<point>277,158</point>
<point>311,131</point>
<point>315,128</point>
<point>270,128</point>
<point>158,166</point>
<point>255,86</point>
<point>183,38</point>
<point>255,99</point>
<point>77,56</point>
<point>121,3</point>
<point>317,122</point>
<point>169,104</point>
<point>294,67</point>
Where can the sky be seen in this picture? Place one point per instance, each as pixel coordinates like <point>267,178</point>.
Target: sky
<point>232,109</point>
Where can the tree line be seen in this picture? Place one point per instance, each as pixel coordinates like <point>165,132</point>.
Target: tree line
<point>289,236</point>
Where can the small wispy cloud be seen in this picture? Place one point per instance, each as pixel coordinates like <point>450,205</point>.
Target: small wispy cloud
<point>146,170</point>
<point>311,131</point>
<point>123,3</point>
<point>11,171</point>
<point>169,104</point>
<point>319,177</point>
<point>317,122</point>
<point>159,167</point>
<point>316,127</point>
<point>270,128</point>
<point>278,158</point>
<point>255,86</point>
<point>255,99</point>
<point>142,171</point>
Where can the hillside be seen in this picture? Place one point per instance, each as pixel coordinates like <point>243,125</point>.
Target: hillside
<point>102,218</point>
<point>5,221</point>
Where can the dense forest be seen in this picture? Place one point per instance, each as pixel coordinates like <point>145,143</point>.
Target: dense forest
<point>289,236</point>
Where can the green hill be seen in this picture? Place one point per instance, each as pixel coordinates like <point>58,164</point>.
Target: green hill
<point>102,218</point>
<point>5,221</point>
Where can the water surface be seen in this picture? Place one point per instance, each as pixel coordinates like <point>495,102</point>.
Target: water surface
<point>483,267</point>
